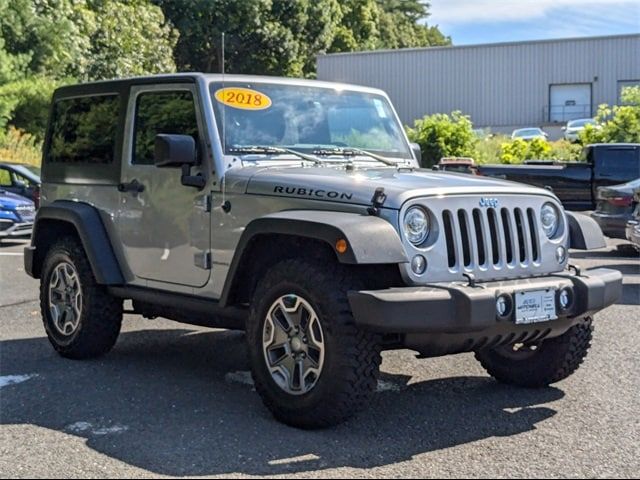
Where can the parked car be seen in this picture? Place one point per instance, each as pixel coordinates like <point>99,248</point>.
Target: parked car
<point>310,229</point>
<point>633,225</point>
<point>529,134</point>
<point>23,180</point>
<point>615,208</point>
<point>16,215</point>
<point>574,127</point>
<point>576,183</point>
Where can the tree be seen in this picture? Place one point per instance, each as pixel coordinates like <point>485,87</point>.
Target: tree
<point>617,124</point>
<point>47,37</point>
<point>402,25</point>
<point>131,38</point>
<point>261,36</point>
<point>83,39</point>
<point>283,37</point>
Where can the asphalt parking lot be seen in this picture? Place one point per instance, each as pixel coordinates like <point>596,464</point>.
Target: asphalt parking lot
<point>174,400</point>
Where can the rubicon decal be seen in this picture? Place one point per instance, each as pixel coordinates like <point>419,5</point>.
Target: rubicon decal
<point>312,192</point>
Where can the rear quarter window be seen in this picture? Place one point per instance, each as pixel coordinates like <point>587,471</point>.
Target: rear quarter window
<point>83,130</point>
<point>83,141</point>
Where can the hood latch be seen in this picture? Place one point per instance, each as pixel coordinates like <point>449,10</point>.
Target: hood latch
<point>377,201</point>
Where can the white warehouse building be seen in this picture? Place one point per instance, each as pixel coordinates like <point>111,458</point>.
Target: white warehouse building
<point>501,86</point>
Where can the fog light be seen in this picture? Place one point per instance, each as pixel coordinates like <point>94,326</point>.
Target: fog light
<point>503,306</point>
<point>419,264</point>
<point>561,254</point>
<point>565,298</point>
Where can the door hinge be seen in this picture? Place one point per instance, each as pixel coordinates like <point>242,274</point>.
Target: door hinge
<point>203,260</point>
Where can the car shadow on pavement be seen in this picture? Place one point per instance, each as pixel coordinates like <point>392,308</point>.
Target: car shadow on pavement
<point>172,402</point>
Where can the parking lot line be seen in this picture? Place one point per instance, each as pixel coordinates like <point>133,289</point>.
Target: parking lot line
<point>11,254</point>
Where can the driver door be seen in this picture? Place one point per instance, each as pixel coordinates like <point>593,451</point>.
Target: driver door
<point>163,225</point>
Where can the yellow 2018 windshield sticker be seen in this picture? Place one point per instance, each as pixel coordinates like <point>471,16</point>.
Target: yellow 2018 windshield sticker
<point>244,98</point>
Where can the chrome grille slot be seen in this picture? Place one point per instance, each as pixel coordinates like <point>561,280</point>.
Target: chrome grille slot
<point>480,233</point>
<point>491,237</point>
<point>449,234</point>
<point>493,230</point>
<point>464,237</point>
<point>507,234</point>
<point>520,226</point>
<point>535,247</point>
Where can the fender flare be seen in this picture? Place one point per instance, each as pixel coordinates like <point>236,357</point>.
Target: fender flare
<point>371,240</point>
<point>584,232</point>
<point>92,233</point>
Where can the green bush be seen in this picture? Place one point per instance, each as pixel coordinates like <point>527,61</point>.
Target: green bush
<point>441,135</point>
<point>487,150</point>
<point>24,104</point>
<point>620,123</point>
<point>519,150</point>
<point>565,151</point>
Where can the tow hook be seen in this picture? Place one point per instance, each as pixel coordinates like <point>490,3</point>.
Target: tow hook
<point>576,269</point>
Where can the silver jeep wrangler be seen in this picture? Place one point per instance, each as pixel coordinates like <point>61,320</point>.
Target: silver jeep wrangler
<point>296,210</point>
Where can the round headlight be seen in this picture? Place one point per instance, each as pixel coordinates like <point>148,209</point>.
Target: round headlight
<point>550,218</point>
<point>416,225</point>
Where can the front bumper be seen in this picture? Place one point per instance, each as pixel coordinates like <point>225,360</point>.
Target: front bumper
<point>16,230</point>
<point>456,317</point>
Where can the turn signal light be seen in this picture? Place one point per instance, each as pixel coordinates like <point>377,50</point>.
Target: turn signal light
<point>341,246</point>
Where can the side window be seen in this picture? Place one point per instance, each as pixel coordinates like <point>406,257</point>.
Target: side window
<point>162,112</point>
<point>83,130</point>
<point>5,178</point>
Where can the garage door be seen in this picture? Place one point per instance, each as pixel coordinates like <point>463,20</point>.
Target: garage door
<point>568,102</point>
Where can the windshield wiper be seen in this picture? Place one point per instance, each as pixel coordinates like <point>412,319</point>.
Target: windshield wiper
<point>269,150</point>
<point>352,152</point>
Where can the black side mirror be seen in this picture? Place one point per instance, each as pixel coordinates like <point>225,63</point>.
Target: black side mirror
<point>173,151</point>
<point>415,148</point>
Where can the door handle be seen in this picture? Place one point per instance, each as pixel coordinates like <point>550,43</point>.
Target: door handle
<point>133,186</point>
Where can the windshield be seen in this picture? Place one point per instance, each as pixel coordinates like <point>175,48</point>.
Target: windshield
<point>527,132</point>
<point>306,118</point>
<point>580,123</point>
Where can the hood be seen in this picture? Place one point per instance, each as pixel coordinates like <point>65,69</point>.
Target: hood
<point>10,201</point>
<point>358,186</point>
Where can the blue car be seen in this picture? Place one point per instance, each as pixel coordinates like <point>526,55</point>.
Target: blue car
<point>16,215</point>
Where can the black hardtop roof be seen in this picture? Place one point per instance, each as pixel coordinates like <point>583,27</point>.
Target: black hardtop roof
<point>122,85</point>
<point>117,85</point>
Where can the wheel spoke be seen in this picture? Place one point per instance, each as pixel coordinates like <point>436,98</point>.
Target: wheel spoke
<point>314,334</point>
<point>278,353</point>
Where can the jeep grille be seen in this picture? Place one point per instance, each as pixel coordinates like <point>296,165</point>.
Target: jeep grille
<point>496,236</point>
<point>491,241</point>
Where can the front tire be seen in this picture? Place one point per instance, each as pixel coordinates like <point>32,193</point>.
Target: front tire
<point>539,365</point>
<point>81,319</point>
<point>311,365</point>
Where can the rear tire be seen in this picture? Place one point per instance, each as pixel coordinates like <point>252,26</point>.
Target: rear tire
<point>350,359</point>
<point>81,319</point>
<point>552,360</point>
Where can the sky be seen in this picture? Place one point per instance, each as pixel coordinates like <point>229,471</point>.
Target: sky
<point>492,21</point>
